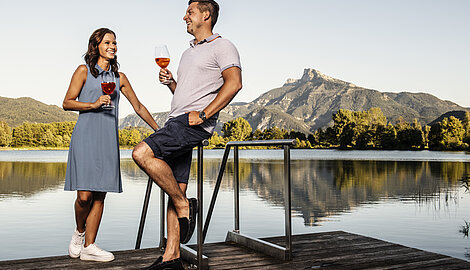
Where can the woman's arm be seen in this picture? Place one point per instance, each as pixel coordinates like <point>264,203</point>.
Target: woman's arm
<point>76,84</point>
<point>139,108</point>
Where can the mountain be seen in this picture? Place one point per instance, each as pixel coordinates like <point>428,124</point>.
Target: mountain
<point>307,104</point>
<point>457,114</point>
<point>16,111</point>
<point>133,120</point>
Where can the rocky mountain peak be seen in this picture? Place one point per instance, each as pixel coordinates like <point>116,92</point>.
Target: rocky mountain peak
<point>310,74</point>
<point>313,74</point>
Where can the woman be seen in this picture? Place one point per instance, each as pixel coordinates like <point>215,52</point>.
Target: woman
<point>93,161</point>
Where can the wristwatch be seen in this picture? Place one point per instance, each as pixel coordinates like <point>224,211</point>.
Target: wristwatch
<point>202,115</point>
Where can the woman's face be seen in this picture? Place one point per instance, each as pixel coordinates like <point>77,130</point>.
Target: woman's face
<point>108,47</point>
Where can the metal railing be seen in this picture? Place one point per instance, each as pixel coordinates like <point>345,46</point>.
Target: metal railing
<point>197,257</point>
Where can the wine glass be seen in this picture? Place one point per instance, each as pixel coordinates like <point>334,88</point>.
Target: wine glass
<point>162,57</point>
<point>108,84</point>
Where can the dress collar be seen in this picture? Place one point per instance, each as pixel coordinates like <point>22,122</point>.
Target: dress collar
<point>100,70</point>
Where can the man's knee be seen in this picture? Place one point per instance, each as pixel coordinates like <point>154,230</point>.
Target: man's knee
<point>140,152</point>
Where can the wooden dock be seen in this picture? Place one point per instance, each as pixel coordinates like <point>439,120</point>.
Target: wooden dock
<point>330,250</point>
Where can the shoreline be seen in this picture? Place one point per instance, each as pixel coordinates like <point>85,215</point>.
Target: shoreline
<point>46,148</point>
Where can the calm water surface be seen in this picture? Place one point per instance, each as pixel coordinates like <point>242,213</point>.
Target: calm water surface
<point>418,199</point>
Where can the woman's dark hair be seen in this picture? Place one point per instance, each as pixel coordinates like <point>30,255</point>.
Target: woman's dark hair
<point>93,53</point>
<point>208,5</point>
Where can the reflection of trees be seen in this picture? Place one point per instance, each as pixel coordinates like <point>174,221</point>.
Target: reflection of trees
<point>465,182</point>
<point>131,170</point>
<point>322,188</point>
<point>27,178</point>
<point>465,228</point>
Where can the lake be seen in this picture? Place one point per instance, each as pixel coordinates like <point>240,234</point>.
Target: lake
<point>414,198</point>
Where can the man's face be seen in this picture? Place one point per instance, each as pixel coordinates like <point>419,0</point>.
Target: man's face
<point>193,18</point>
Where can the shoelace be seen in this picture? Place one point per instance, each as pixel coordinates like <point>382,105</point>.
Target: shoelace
<point>77,239</point>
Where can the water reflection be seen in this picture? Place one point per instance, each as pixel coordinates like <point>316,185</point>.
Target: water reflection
<point>320,188</point>
<point>28,178</point>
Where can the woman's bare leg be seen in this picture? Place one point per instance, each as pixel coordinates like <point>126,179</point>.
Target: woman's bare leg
<point>94,217</point>
<point>82,208</point>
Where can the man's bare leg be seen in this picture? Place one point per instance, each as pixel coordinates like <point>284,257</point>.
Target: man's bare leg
<point>159,171</point>
<point>172,250</point>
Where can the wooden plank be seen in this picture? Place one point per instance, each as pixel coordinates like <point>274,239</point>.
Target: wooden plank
<point>330,250</point>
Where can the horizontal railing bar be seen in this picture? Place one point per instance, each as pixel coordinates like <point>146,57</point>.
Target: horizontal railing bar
<point>262,143</point>
<point>259,245</point>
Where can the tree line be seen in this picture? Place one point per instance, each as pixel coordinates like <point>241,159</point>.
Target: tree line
<point>351,130</point>
<point>361,130</point>
<point>57,135</point>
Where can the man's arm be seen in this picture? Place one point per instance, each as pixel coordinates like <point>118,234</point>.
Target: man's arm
<point>232,84</point>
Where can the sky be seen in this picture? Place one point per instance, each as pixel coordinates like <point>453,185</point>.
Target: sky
<point>390,46</point>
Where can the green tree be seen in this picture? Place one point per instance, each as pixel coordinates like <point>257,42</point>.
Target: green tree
<point>358,129</point>
<point>466,127</point>
<point>409,136</point>
<point>386,137</point>
<point>296,135</point>
<point>312,140</point>
<point>447,135</point>
<point>134,137</point>
<point>6,136</point>
<point>236,130</point>
<point>453,133</point>
<point>326,138</point>
<point>256,135</point>
<point>123,136</point>
<point>343,127</point>
<point>216,141</point>
<point>274,133</point>
<point>24,135</point>
<point>435,137</point>
<point>47,138</point>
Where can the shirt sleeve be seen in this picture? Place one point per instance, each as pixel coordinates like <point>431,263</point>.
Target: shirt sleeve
<point>227,55</point>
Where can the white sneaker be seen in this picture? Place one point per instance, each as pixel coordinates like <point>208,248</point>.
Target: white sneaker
<point>93,253</point>
<point>76,244</point>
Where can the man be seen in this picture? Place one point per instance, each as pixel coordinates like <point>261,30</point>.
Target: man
<point>209,76</point>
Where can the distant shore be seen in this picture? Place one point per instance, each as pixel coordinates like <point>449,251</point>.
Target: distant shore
<point>46,148</point>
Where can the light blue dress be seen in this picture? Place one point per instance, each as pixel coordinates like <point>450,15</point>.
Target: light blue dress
<point>93,158</point>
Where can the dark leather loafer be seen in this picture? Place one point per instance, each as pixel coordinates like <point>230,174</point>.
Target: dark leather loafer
<point>154,264</point>
<point>187,226</point>
<point>175,264</point>
<point>184,229</point>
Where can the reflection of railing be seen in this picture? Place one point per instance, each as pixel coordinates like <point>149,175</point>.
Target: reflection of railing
<point>197,257</point>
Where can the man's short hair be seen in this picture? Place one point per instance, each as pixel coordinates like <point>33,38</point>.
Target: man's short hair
<point>208,5</point>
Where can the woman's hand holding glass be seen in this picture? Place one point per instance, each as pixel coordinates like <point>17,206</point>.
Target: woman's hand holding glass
<point>101,101</point>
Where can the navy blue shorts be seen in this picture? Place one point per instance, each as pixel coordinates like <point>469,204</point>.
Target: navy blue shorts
<point>174,144</point>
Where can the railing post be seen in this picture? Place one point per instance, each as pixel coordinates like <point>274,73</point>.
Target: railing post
<point>162,220</point>
<point>287,201</point>
<point>200,175</point>
<point>143,216</point>
<point>236,187</point>
<point>215,192</point>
